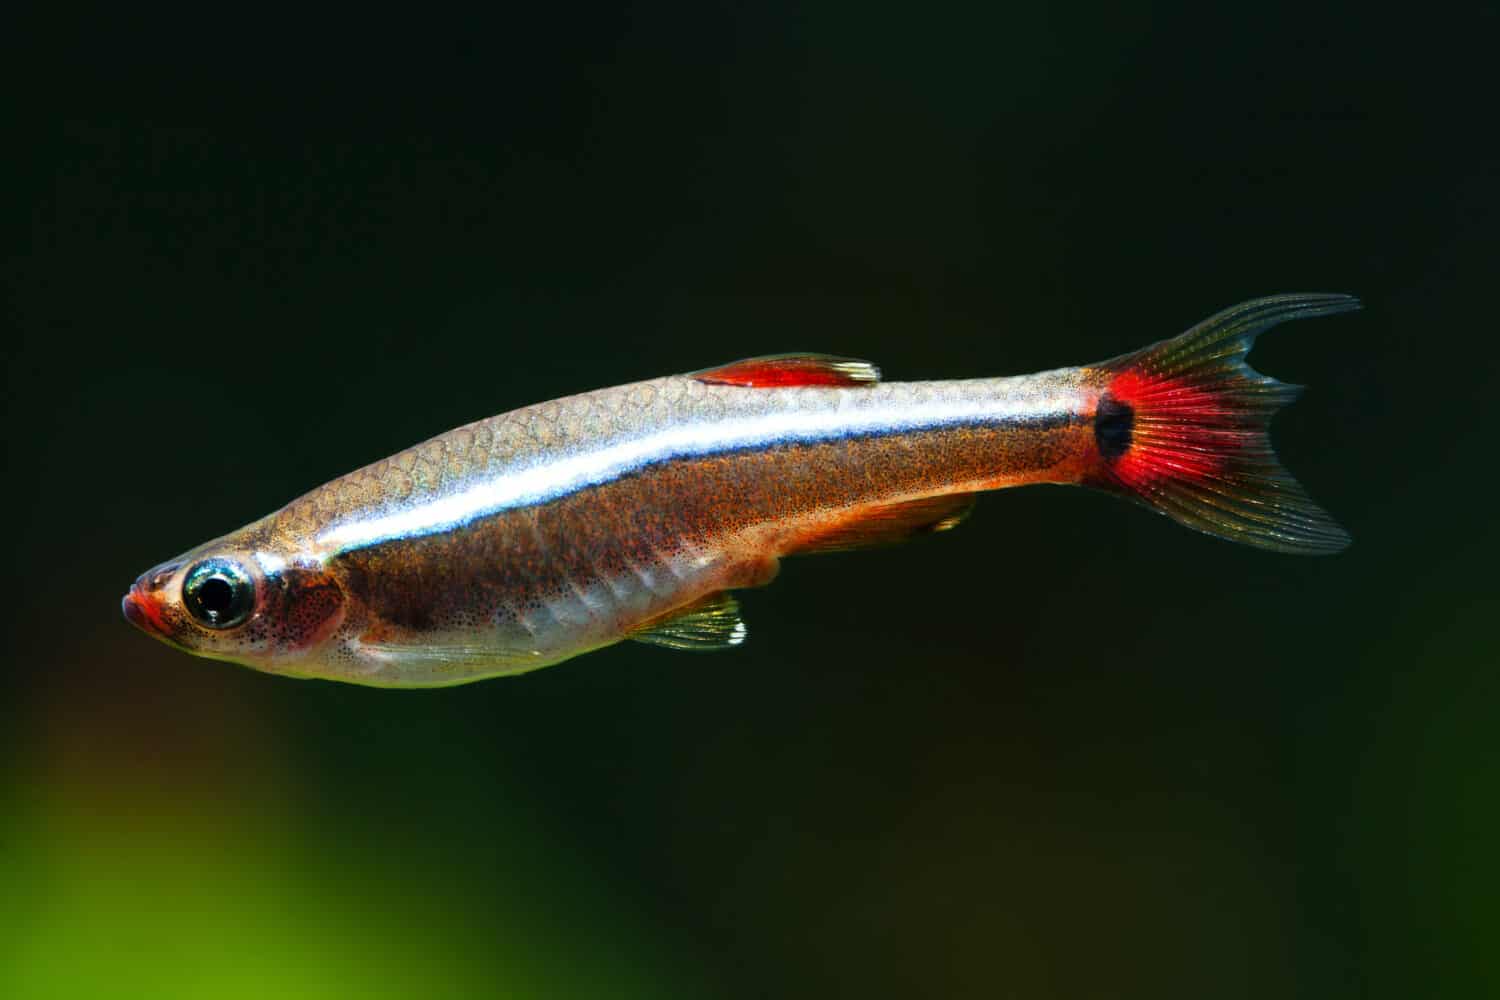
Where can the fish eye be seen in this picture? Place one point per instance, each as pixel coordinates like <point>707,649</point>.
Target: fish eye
<point>218,593</point>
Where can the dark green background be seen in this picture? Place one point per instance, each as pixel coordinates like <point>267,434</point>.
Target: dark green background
<point>1068,750</point>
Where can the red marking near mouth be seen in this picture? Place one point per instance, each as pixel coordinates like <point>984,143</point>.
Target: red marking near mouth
<point>147,613</point>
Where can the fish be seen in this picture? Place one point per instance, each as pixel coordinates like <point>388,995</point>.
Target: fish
<point>636,512</point>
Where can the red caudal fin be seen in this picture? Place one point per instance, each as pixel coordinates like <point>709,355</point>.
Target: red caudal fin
<point>1183,427</point>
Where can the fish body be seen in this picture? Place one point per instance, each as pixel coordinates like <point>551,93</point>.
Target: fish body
<point>531,537</point>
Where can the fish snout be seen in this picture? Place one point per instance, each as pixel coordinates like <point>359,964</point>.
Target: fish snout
<point>143,603</point>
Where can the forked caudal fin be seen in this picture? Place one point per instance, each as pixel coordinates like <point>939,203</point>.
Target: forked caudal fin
<point>1182,426</point>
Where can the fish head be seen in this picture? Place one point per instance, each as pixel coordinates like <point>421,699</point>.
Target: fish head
<point>249,604</point>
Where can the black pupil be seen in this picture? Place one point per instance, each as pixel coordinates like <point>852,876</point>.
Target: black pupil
<point>216,596</point>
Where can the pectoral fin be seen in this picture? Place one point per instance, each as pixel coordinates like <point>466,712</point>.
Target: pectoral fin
<point>432,655</point>
<point>712,623</point>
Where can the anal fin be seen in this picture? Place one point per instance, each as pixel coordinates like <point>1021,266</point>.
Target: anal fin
<point>890,524</point>
<point>708,624</point>
<point>779,370</point>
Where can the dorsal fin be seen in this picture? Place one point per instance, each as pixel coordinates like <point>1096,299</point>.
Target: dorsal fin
<point>776,370</point>
<point>892,523</point>
<point>711,623</point>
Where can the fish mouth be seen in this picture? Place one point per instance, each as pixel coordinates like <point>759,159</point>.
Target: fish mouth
<point>141,611</point>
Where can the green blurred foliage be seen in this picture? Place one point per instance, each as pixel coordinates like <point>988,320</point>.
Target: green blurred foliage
<point>1068,750</point>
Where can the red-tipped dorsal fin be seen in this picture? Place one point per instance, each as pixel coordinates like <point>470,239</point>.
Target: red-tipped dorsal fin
<point>777,370</point>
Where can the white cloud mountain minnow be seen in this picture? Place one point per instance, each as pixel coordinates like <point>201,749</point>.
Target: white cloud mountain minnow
<point>631,513</point>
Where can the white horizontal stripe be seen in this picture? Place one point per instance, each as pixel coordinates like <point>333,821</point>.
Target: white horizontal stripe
<point>567,472</point>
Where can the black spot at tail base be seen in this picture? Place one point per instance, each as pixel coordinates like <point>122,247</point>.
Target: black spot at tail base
<point>1114,426</point>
